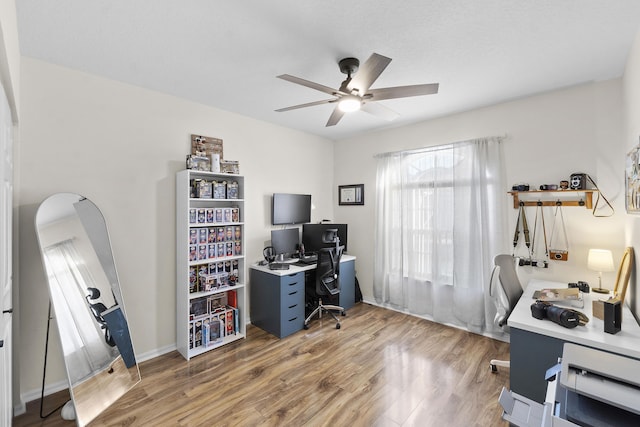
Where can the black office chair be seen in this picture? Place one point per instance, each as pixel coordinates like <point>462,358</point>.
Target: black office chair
<point>97,308</point>
<point>327,282</point>
<point>505,290</point>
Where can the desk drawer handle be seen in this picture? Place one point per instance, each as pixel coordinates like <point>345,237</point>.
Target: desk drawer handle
<point>294,305</point>
<point>293,293</point>
<point>293,283</point>
<point>292,319</point>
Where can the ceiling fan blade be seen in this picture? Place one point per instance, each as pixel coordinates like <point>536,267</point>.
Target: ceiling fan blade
<point>379,110</point>
<point>368,73</point>
<point>312,85</point>
<point>335,117</point>
<point>309,104</point>
<point>402,91</point>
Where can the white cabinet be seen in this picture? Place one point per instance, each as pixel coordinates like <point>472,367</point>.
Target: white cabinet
<point>210,267</point>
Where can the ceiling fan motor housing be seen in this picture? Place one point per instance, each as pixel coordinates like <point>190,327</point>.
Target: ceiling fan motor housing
<point>349,66</point>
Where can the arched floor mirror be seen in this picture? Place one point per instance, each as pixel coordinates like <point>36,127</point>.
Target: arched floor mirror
<point>85,294</point>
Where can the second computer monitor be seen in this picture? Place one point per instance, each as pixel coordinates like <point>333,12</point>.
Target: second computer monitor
<point>285,241</point>
<point>312,236</point>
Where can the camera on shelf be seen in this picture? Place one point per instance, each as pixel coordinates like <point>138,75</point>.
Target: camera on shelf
<point>582,286</point>
<point>562,316</point>
<point>520,187</point>
<point>548,187</point>
<point>578,181</point>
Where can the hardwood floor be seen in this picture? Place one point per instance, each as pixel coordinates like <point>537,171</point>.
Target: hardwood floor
<point>382,368</point>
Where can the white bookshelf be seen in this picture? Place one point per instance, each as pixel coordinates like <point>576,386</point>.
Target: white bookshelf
<point>188,342</point>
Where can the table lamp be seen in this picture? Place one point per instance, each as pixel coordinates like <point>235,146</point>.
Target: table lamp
<point>600,260</point>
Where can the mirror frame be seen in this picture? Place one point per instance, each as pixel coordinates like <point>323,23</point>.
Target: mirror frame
<point>624,273</point>
<point>99,358</point>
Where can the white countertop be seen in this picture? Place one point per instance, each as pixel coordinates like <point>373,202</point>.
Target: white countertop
<point>293,268</point>
<point>625,342</point>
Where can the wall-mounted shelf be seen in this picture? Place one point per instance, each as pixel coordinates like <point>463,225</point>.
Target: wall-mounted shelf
<point>552,198</point>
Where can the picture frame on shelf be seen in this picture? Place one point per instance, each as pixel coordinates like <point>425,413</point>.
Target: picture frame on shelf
<point>632,181</point>
<point>206,146</point>
<point>351,195</point>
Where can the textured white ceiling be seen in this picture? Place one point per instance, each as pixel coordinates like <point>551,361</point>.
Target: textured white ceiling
<point>227,53</point>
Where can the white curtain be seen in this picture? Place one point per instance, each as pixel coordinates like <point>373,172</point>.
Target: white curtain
<point>439,222</point>
<point>83,342</point>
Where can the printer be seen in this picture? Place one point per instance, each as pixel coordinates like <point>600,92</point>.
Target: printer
<point>588,388</point>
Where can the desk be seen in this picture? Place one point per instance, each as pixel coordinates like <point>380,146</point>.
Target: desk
<point>278,296</point>
<point>537,344</point>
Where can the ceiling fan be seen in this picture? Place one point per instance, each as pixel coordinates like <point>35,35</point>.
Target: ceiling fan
<point>355,92</point>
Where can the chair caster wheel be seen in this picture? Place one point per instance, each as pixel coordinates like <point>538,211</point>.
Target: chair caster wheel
<point>343,313</point>
<point>306,326</point>
<point>494,369</point>
<point>337,325</point>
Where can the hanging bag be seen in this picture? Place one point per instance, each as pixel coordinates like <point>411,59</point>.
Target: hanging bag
<point>558,223</point>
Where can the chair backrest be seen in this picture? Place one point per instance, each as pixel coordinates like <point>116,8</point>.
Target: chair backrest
<point>505,287</point>
<point>328,271</point>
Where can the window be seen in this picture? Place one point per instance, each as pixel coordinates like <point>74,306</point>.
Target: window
<point>437,211</point>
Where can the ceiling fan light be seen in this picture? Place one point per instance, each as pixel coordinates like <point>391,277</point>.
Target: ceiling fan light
<point>349,103</point>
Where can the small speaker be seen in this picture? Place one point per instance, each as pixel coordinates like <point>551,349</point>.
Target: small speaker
<point>612,316</point>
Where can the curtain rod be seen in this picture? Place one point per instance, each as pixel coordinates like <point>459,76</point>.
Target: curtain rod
<point>437,147</point>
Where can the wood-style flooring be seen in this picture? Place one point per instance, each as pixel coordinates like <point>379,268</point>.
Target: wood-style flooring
<point>382,368</point>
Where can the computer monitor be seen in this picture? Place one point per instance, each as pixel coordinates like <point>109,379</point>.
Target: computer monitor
<point>312,236</point>
<point>289,209</point>
<point>285,241</point>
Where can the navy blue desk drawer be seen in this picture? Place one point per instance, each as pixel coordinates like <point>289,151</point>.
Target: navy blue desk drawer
<point>291,285</point>
<point>291,325</point>
<point>292,319</point>
<point>291,303</point>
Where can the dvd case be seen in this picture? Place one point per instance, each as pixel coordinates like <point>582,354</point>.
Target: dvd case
<point>232,190</point>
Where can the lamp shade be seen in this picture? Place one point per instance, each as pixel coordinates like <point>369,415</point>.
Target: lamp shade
<point>600,260</point>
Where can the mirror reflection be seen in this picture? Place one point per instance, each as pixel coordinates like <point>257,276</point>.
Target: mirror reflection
<point>87,302</point>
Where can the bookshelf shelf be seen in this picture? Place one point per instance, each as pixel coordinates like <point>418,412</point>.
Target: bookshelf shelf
<point>582,198</point>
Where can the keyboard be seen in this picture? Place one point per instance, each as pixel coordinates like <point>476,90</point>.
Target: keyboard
<point>278,266</point>
<point>309,259</point>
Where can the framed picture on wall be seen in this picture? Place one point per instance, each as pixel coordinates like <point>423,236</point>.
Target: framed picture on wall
<point>632,181</point>
<point>351,194</point>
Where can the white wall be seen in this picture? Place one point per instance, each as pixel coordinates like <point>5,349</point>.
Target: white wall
<point>549,137</point>
<point>631,96</point>
<point>120,146</point>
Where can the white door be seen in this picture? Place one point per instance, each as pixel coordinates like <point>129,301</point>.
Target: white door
<point>6,196</point>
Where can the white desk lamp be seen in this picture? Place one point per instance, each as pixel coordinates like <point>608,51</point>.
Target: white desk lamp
<point>600,260</point>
